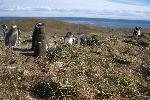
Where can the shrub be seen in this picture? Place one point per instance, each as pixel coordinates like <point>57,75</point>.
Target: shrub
<point>54,53</point>
<point>43,90</point>
<point>143,43</point>
<point>47,90</point>
<point>121,60</point>
<point>93,40</point>
<point>61,52</point>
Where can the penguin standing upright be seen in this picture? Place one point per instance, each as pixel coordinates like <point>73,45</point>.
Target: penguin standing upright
<point>12,36</point>
<point>39,40</point>
<point>4,29</point>
<point>69,38</point>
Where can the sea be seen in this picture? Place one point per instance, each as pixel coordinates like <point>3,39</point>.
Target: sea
<point>102,22</point>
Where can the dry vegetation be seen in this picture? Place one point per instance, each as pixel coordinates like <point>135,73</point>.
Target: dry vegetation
<point>117,67</point>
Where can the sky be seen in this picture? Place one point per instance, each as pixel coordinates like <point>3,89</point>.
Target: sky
<point>114,9</point>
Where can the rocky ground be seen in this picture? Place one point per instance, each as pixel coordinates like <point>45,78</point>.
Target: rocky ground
<point>112,66</point>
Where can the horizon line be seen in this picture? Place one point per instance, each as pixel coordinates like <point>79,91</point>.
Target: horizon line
<point>73,17</point>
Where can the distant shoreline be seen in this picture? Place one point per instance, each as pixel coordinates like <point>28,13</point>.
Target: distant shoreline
<point>74,17</point>
<point>100,22</point>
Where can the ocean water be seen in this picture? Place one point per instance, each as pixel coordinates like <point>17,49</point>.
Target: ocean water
<point>113,23</point>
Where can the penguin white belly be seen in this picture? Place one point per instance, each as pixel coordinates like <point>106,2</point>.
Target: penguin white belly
<point>69,41</point>
<point>139,32</point>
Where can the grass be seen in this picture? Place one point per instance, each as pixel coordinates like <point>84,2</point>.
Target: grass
<point>112,66</point>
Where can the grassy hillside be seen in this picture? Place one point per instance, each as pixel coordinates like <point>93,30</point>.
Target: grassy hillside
<point>52,26</point>
<point>117,67</point>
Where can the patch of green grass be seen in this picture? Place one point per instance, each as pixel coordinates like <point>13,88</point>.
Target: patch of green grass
<point>2,45</point>
<point>117,85</point>
<point>61,52</point>
<point>54,53</point>
<point>144,90</point>
<point>122,60</point>
<point>47,90</point>
<point>143,43</point>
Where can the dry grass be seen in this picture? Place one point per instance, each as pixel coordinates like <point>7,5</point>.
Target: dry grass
<point>117,68</point>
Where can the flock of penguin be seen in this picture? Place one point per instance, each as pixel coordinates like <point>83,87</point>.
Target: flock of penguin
<point>12,36</point>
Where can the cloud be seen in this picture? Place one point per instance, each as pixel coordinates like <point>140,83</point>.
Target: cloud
<point>88,12</point>
<point>129,2</point>
<point>86,8</point>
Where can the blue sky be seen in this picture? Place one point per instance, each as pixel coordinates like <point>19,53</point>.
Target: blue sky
<point>117,9</point>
